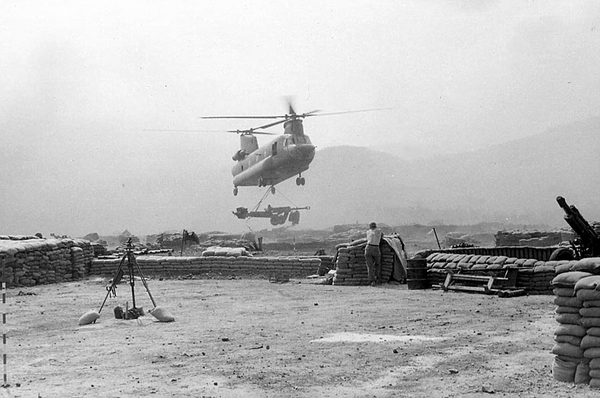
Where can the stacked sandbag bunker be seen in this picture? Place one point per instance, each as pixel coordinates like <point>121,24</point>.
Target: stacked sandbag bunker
<point>577,347</point>
<point>350,263</point>
<point>569,361</point>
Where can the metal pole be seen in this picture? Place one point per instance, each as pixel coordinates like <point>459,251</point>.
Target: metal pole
<point>5,384</point>
<point>436,238</point>
<point>182,241</point>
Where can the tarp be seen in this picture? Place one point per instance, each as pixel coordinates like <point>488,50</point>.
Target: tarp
<point>400,262</point>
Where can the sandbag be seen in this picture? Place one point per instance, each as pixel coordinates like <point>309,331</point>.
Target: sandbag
<point>568,350</point>
<point>591,303</point>
<point>237,251</point>
<point>591,353</point>
<point>588,294</point>
<point>595,363</point>
<point>569,279</point>
<point>162,314</point>
<point>89,317</point>
<point>568,301</point>
<point>566,338</point>
<point>589,322</point>
<point>572,319</point>
<point>582,374</point>
<point>589,342</point>
<point>563,371</point>
<point>591,282</point>
<point>563,309</point>
<point>595,383</point>
<point>562,268</point>
<point>570,359</point>
<point>564,291</point>
<point>590,264</point>
<point>590,312</point>
<point>593,331</point>
<point>594,373</point>
<point>572,330</point>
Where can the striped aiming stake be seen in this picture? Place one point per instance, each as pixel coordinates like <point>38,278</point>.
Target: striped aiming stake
<point>5,384</point>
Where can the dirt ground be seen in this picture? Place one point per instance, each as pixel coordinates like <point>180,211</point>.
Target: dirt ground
<point>247,337</point>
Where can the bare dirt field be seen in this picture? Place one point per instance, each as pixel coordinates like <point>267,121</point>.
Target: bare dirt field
<point>246,337</point>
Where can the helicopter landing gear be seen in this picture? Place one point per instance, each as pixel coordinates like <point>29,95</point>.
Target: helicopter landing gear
<point>261,182</point>
<point>272,189</point>
<point>300,181</point>
<point>235,191</point>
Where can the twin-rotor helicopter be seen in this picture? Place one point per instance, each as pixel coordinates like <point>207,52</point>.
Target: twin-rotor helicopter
<point>288,155</point>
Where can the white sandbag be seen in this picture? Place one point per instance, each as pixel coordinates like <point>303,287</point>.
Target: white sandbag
<point>236,252</point>
<point>89,317</point>
<point>162,314</point>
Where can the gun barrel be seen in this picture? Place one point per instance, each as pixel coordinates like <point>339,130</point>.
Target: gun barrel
<point>563,204</point>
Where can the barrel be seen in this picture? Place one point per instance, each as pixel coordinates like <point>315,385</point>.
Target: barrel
<point>416,274</point>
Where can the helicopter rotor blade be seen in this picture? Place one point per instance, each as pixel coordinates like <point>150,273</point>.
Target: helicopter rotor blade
<point>270,124</point>
<point>346,112</point>
<point>243,117</point>
<point>186,131</point>
<point>250,131</point>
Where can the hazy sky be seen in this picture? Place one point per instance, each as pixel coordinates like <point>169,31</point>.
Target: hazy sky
<point>83,80</point>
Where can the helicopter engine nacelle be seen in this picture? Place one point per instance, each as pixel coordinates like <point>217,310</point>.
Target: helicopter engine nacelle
<point>248,143</point>
<point>293,126</point>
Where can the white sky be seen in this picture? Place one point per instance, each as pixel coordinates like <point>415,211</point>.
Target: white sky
<point>82,80</point>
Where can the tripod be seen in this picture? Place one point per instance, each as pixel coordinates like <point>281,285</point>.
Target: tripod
<point>131,263</point>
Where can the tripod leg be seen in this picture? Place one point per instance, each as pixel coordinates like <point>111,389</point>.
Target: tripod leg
<point>130,262</point>
<point>144,282</point>
<point>113,285</point>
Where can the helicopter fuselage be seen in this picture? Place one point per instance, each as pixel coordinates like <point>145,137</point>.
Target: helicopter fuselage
<point>284,157</point>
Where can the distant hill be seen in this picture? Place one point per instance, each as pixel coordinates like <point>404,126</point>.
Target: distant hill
<point>515,182</point>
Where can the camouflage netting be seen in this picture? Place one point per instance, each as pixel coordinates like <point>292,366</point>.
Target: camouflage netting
<point>34,261</point>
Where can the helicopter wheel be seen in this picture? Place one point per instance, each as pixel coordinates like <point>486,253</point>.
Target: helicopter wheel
<point>302,181</point>
<point>235,191</point>
<point>272,189</point>
<point>261,182</point>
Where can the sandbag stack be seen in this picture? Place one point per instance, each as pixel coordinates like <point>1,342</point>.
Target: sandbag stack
<point>29,262</point>
<point>534,275</point>
<point>351,268</point>
<point>588,292</point>
<point>569,363</point>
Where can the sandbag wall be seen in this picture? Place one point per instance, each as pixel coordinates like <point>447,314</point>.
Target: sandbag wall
<point>161,265</point>
<point>534,276</point>
<point>351,268</point>
<point>30,262</point>
<point>577,338</point>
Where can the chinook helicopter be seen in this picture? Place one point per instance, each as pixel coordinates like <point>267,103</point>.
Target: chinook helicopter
<point>286,156</point>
